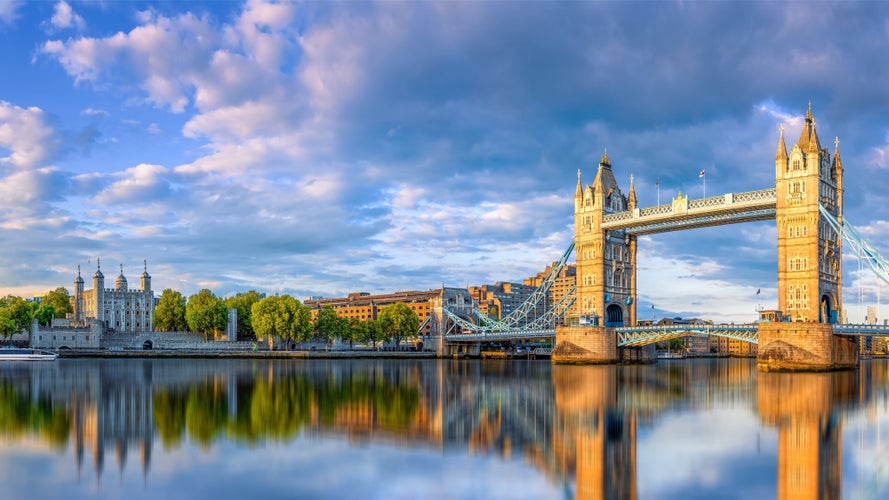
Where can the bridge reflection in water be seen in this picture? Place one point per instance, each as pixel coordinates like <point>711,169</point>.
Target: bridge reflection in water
<point>577,425</point>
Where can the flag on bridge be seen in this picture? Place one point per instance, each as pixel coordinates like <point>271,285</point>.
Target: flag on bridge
<point>701,174</point>
<point>757,291</point>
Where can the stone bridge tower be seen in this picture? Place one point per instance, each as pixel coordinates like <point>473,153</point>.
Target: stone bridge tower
<point>606,260</point>
<point>809,261</point>
<point>809,251</point>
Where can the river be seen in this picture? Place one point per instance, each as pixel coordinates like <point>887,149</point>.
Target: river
<point>393,429</point>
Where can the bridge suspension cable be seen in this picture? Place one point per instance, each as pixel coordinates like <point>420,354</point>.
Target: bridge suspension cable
<point>516,317</point>
<point>521,318</point>
<point>862,248</point>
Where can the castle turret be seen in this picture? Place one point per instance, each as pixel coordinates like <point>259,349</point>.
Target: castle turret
<point>78,297</point>
<point>99,291</point>
<point>121,283</point>
<point>146,278</point>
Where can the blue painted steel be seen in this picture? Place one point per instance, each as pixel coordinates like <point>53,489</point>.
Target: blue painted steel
<point>645,335</point>
<point>861,329</point>
<point>862,248</point>
<point>702,221</point>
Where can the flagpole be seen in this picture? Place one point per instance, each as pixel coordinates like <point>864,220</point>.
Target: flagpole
<point>704,176</point>
<point>658,183</point>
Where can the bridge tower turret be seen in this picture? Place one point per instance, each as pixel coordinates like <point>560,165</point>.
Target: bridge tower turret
<point>809,252</point>
<point>606,260</point>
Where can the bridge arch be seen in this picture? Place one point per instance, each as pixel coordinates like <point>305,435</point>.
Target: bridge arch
<point>614,315</point>
<point>825,310</point>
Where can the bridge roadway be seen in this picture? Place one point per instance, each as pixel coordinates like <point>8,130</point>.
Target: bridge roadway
<point>683,213</point>
<point>630,336</point>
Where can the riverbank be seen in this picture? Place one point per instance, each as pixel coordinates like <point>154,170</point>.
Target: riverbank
<point>258,354</point>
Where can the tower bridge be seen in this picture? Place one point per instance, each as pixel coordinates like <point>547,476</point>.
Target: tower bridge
<point>806,204</point>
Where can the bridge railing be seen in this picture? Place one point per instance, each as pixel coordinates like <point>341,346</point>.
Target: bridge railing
<point>727,201</point>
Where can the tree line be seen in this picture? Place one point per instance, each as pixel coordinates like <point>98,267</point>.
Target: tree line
<point>259,317</point>
<point>16,313</point>
<point>279,316</point>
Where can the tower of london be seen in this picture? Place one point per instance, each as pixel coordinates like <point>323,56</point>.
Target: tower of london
<point>122,310</point>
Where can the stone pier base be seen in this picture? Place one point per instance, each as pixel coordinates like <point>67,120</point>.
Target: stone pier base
<point>590,345</point>
<point>804,347</point>
<point>585,345</point>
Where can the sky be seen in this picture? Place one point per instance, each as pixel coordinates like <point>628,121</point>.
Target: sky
<point>323,148</point>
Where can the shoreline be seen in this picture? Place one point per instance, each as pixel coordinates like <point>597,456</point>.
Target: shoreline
<point>245,354</point>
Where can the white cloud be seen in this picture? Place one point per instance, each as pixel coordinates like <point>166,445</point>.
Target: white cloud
<point>98,113</point>
<point>26,133</point>
<point>137,185</point>
<point>8,10</point>
<point>28,197</point>
<point>65,17</point>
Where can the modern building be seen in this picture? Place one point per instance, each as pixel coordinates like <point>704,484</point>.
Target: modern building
<point>501,299</point>
<point>563,285</point>
<point>364,306</point>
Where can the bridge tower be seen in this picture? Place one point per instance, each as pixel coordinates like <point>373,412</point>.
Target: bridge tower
<point>606,260</point>
<point>809,260</point>
<point>809,251</point>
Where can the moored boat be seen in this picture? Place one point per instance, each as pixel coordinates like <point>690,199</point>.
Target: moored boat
<point>16,354</point>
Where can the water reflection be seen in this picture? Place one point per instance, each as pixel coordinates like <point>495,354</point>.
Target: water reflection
<point>578,426</point>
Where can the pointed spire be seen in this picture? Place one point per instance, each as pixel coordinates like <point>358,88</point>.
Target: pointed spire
<point>781,154</point>
<point>632,197</point>
<point>579,191</point>
<point>837,161</point>
<point>808,138</point>
<point>605,160</point>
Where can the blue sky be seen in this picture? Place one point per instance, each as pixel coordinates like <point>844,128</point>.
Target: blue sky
<point>324,148</point>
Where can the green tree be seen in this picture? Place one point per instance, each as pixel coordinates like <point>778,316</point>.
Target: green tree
<point>169,315</point>
<point>674,344</point>
<point>15,315</point>
<point>327,324</point>
<point>243,302</point>
<point>45,313</point>
<point>355,332</point>
<point>373,332</point>
<point>399,322</point>
<point>59,300</point>
<point>281,316</point>
<point>205,313</point>
<point>7,324</point>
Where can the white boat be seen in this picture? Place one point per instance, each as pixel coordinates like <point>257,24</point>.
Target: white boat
<point>670,355</point>
<point>16,354</point>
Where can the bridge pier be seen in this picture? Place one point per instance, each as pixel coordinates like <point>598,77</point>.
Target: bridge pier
<point>591,345</point>
<point>797,346</point>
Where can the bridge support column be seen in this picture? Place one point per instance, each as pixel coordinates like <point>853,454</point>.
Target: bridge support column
<point>585,345</point>
<point>785,346</point>
<point>590,345</point>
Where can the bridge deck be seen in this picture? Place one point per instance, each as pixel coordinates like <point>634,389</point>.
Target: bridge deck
<point>630,336</point>
<point>683,213</point>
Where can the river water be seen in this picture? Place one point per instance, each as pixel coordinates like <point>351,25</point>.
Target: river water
<point>390,429</point>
